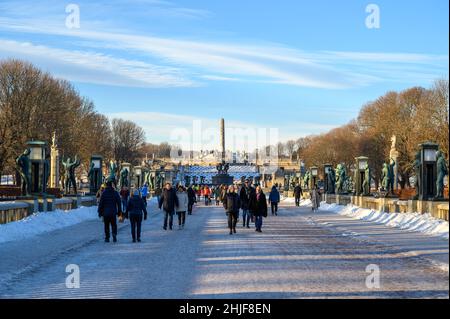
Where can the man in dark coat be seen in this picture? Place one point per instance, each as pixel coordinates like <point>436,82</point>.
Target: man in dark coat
<point>246,196</point>
<point>259,208</point>
<point>192,199</point>
<point>297,194</point>
<point>232,203</point>
<point>135,208</point>
<point>109,207</point>
<point>168,201</point>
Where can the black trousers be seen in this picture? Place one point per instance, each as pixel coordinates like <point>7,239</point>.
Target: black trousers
<point>168,215</point>
<point>136,221</point>
<point>232,220</point>
<point>110,220</point>
<point>297,201</point>
<point>274,207</point>
<point>190,208</point>
<point>181,218</point>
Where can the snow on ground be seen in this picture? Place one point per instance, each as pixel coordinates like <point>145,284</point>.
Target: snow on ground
<point>44,222</point>
<point>423,223</point>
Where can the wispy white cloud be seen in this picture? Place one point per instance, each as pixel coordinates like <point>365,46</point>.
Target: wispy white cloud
<point>92,67</point>
<point>162,61</point>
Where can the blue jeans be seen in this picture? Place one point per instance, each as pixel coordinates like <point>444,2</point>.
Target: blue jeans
<point>258,222</point>
<point>124,204</point>
<point>246,216</point>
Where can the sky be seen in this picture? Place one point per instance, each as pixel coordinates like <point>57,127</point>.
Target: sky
<point>301,67</point>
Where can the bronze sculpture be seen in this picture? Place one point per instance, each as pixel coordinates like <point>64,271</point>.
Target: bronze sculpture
<point>442,171</point>
<point>23,167</point>
<point>69,176</point>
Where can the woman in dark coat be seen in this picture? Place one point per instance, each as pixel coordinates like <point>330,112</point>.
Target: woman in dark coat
<point>135,208</point>
<point>232,203</point>
<point>259,208</point>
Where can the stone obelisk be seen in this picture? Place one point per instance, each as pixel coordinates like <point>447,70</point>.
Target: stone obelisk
<point>54,163</point>
<point>222,139</point>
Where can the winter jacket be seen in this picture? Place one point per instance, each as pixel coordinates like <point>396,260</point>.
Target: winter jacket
<point>136,207</point>
<point>144,191</point>
<point>191,196</point>
<point>315,199</point>
<point>182,202</point>
<point>124,193</point>
<point>259,206</point>
<point>168,200</point>
<point>298,191</point>
<point>246,195</point>
<point>274,196</point>
<point>110,203</point>
<point>231,203</point>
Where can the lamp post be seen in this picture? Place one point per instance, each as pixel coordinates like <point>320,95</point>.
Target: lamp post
<point>96,174</point>
<point>314,175</point>
<point>428,171</point>
<point>326,170</point>
<point>39,166</point>
<point>361,163</point>
<point>137,176</point>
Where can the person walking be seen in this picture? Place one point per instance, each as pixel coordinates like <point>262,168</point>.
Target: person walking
<point>124,196</point>
<point>217,193</point>
<point>109,207</point>
<point>134,211</point>
<point>259,208</point>
<point>192,199</point>
<point>297,194</point>
<point>315,199</point>
<point>231,203</point>
<point>246,195</point>
<point>168,201</point>
<point>182,206</point>
<point>274,199</point>
<point>144,193</point>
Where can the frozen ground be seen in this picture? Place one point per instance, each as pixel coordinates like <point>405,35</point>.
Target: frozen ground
<point>300,254</point>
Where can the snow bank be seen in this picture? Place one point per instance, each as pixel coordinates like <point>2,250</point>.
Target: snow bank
<point>423,223</point>
<point>40,223</point>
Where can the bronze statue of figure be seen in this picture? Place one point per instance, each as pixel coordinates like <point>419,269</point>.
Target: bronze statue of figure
<point>112,172</point>
<point>340,178</point>
<point>306,179</point>
<point>331,180</point>
<point>367,181</point>
<point>442,171</point>
<point>124,177</point>
<point>23,167</point>
<point>70,181</point>
<point>91,176</point>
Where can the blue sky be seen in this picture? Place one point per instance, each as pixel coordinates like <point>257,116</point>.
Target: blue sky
<point>303,67</point>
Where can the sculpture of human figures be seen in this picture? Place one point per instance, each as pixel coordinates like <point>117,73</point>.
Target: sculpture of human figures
<point>331,180</point>
<point>340,178</point>
<point>124,177</point>
<point>367,181</point>
<point>306,179</point>
<point>151,181</point>
<point>442,171</point>
<point>23,167</point>
<point>112,172</point>
<point>384,176</point>
<point>46,171</point>
<point>417,164</point>
<point>70,167</point>
<point>286,183</point>
<point>158,179</point>
<point>91,176</point>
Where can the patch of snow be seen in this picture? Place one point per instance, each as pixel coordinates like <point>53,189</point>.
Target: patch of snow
<point>424,223</point>
<point>44,222</point>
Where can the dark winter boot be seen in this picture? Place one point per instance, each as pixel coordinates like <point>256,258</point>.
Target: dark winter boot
<point>114,239</point>
<point>106,240</point>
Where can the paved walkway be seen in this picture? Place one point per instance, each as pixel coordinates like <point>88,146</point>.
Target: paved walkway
<point>298,255</point>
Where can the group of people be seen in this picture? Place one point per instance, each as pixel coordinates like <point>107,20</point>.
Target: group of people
<point>113,204</point>
<point>180,201</point>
